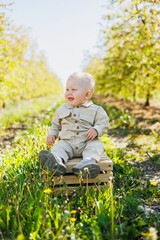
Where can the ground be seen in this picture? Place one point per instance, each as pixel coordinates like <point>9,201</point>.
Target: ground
<point>147,118</point>
<point>140,138</point>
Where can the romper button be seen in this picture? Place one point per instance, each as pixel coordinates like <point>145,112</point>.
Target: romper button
<point>76,147</point>
<point>77,133</point>
<point>75,121</point>
<point>74,115</point>
<point>77,127</point>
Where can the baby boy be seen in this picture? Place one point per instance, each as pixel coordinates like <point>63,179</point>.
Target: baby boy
<point>77,124</point>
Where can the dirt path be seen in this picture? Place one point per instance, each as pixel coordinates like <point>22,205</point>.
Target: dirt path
<point>140,111</point>
<point>148,118</point>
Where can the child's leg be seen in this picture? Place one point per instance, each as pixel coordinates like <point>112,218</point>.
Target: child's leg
<point>54,160</point>
<point>63,150</point>
<point>91,155</point>
<point>94,149</point>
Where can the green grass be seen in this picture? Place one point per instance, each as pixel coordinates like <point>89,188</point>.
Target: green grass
<point>20,112</point>
<point>31,209</point>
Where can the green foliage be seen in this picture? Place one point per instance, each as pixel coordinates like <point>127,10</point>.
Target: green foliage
<point>24,73</point>
<point>31,209</point>
<point>26,110</point>
<point>130,68</point>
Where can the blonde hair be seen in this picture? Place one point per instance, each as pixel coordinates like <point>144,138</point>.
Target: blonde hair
<point>87,77</point>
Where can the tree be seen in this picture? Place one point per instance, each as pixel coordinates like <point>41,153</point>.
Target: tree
<point>132,43</point>
<point>24,73</point>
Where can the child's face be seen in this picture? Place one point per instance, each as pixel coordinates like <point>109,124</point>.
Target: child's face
<point>76,92</point>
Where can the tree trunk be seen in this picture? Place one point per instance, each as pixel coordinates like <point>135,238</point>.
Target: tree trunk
<point>3,104</point>
<point>134,93</point>
<point>147,103</point>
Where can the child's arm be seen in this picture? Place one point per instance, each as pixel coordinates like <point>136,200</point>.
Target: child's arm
<point>54,129</point>
<point>101,122</point>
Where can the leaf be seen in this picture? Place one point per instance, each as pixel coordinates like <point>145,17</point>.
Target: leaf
<point>141,223</point>
<point>8,210</point>
<point>102,219</point>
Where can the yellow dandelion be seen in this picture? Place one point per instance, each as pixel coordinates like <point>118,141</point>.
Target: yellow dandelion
<point>152,234</point>
<point>20,237</point>
<point>147,234</point>
<point>47,191</point>
<point>14,196</point>
<point>153,183</point>
<point>127,192</point>
<point>73,211</point>
<point>73,219</point>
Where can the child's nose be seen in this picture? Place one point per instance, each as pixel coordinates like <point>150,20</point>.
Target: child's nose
<point>69,91</point>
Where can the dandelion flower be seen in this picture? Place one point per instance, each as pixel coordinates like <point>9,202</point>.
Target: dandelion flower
<point>86,169</point>
<point>152,234</point>
<point>21,237</point>
<point>153,183</point>
<point>147,234</point>
<point>140,208</point>
<point>47,191</point>
<point>73,219</point>
<point>73,211</point>
<point>66,211</point>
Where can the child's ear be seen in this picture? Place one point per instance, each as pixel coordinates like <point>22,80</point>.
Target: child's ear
<point>88,94</point>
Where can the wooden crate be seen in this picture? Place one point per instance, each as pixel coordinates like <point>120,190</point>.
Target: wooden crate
<point>70,182</point>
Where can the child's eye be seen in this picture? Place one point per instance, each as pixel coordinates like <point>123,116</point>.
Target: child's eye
<point>74,89</point>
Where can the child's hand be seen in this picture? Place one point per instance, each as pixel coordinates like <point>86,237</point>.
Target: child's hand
<point>50,140</point>
<point>92,133</point>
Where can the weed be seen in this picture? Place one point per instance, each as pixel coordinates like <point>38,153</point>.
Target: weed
<point>31,209</point>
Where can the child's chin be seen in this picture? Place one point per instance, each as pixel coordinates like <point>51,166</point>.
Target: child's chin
<point>72,104</point>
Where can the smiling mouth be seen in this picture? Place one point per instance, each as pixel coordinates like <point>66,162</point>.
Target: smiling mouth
<point>70,99</point>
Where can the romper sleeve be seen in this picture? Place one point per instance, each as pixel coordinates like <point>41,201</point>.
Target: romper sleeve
<point>56,125</point>
<point>101,121</point>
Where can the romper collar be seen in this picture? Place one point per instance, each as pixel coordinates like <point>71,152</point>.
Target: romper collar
<point>87,104</point>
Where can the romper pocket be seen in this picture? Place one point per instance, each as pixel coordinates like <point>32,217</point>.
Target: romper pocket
<point>63,119</point>
<point>89,119</point>
<point>64,114</point>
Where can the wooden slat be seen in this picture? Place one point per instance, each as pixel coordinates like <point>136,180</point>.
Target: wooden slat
<point>72,179</point>
<point>105,163</point>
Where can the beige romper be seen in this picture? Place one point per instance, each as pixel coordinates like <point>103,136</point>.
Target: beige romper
<point>70,125</point>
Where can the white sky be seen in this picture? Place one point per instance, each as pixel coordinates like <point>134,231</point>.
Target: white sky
<point>63,29</point>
